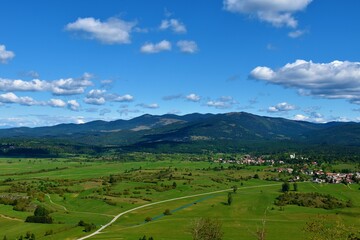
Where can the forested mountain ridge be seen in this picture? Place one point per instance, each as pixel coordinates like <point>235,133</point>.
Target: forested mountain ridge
<point>205,130</point>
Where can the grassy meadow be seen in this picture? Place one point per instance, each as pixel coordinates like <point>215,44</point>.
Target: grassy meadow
<point>94,191</point>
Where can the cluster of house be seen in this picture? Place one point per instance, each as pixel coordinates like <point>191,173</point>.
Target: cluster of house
<point>319,176</point>
<point>247,160</point>
<point>347,178</point>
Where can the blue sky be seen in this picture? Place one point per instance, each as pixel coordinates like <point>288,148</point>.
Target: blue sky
<point>77,61</point>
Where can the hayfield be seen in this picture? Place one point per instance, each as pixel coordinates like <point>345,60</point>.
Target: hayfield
<point>94,191</point>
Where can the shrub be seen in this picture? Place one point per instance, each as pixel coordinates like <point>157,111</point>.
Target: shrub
<point>167,212</point>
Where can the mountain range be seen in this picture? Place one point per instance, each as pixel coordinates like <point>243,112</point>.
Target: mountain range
<point>195,131</point>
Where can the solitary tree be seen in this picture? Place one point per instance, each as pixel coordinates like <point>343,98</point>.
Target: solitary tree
<point>295,185</point>
<point>285,187</point>
<point>167,212</point>
<point>206,229</point>
<point>230,198</point>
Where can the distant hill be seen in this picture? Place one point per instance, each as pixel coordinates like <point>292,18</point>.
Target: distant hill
<point>194,131</point>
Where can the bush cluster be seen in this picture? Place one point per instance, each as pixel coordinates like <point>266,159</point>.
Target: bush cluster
<point>314,200</point>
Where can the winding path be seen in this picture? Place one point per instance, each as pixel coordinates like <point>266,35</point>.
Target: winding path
<point>164,201</point>
<point>66,210</point>
<point>11,218</point>
<point>61,206</point>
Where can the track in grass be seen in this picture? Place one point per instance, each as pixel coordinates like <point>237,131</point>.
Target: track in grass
<point>164,201</point>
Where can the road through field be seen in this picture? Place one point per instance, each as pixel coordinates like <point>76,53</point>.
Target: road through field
<point>164,201</point>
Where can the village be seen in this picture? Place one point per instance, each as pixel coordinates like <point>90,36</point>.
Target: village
<point>311,170</point>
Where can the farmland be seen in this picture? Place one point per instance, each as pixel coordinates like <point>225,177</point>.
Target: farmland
<point>94,191</point>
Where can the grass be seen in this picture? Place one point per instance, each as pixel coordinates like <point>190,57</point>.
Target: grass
<point>80,189</point>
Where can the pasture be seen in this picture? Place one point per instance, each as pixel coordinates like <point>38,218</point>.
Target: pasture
<point>94,191</point>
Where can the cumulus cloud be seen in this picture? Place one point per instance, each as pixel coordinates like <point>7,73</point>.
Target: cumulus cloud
<point>315,117</point>
<point>173,24</point>
<point>300,117</point>
<point>5,55</point>
<point>100,97</point>
<point>111,31</point>
<point>217,104</point>
<point>281,107</point>
<point>67,86</point>
<point>95,101</point>
<point>164,45</point>
<point>277,13</point>
<point>124,98</point>
<point>73,105</point>
<point>150,106</point>
<point>334,80</point>
<point>224,102</point>
<point>57,103</point>
<point>187,46</point>
<point>13,98</point>
<point>95,97</point>
<point>193,97</point>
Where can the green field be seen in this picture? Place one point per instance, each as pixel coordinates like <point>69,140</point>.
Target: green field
<point>95,191</point>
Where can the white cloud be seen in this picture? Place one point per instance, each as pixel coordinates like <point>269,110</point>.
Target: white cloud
<point>296,33</point>
<point>277,12</point>
<point>164,45</point>
<point>71,86</point>
<point>79,120</point>
<point>173,24</point>
<point>150,106</point>
<point>111,31</point>
<point>224,102</point>
<point>281,107</point>
<point>187,46</point>
<point>193,97</point>
<point>68,86</point>
<point>124,98</point>
<point>95,101</point>
<point>217,104</point>
<point>57,103</point>
<point>300,117</point>
<point>73,105</point>
<point>96,93</point>
<point>334,80</point>
<point>99,97</point>
<point>12,98</point>
<point>95,97</point>
<point>316,118</point>
<point>5,55</point>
